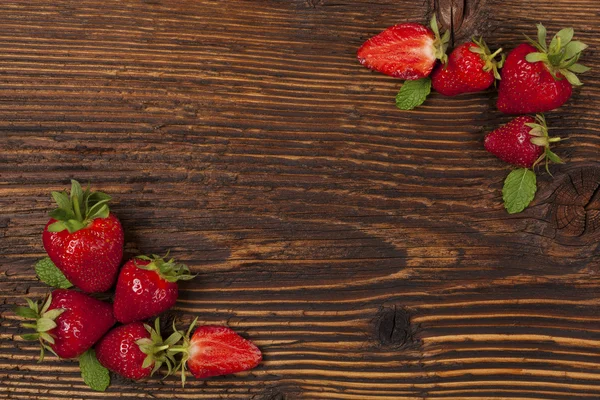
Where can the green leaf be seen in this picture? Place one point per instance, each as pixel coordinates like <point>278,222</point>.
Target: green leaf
<point>553,157</point>
<point>413,93</point>
<point>45,324</point>
<point>519,190</point>
<point>574,48</point>
<point>54,313</point>
<point>62,200</point>
<point>535,57</point>
<point>93,373</point>
<point>579,68</point>
<point>30,336</point>
<point>565,36</point>
<point>571,77</point>
<point>61,215</point>
<point>48,273</point>
<point>542,35</point>
<point>58,226</point>
<point>76,190</point>
<point>26,312</point>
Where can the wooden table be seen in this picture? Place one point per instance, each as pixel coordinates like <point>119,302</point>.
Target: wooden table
<point>363,248</point>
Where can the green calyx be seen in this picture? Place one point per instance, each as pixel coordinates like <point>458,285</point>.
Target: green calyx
<point>157,350</point>
<point>491,64</point>
<point>440,43</point>
<point>168,270</point>
<point>79,209</point>
<point>540,137</point>
<point>44,322</point>
<point>561,55</point>
<point>183,349</point>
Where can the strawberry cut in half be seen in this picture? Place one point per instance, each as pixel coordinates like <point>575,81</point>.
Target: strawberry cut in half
<point>215,350</point>
<point>84,239</point>
<point>471,67</point>
<point>136,350</point>
<point>523,142</point>
<point>146,287</point>
<point>68,323</point>
<point>405,51</point>
<point>538,77</point>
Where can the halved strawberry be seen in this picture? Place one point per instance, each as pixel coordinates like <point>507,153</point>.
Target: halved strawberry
<point>215,350</point>
<point>405,51</point>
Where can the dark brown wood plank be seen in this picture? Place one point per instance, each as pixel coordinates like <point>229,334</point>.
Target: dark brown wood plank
<point>363,248</point>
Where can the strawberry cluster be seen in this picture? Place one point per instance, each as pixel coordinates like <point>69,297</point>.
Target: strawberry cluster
<point>534,78</point>
<point>84,242</point>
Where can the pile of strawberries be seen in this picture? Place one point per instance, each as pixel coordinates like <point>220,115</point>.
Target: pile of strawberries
<point>534,78</point>
<point>84,242</point>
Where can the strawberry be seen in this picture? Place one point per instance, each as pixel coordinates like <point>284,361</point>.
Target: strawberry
<point>136,350</point>
<point>68,323</point>
<point>84,239</point>
<point>405,51</point>
<point>537,77</point>
<point>146,287</point>
<point>523,142</point>
<point>470,68</point>
<point>215,350</point>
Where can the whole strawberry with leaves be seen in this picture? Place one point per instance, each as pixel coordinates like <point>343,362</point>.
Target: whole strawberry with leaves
<point>214,350</point>
<point>405,51</point>
<point>136,350</point>
<point>471,67</point>
<point>523,142</point>
<point>538,77</point>
<point>67,323</point>
<point>147,286</point>
<point>84,239</point>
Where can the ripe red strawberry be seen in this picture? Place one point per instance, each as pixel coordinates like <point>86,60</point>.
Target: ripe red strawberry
<point>537,77</point>
<point>84,240</point>
<point>68,323</point>
<point>405,51</point>
<point>470,68</point>
<point>146,287</point>
<point>523,142</point>
<point>136,351</point>
<point>216,350</point>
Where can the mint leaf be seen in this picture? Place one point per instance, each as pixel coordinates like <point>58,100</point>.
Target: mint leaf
<point>519,189</point>
<point>48,273</point>
<point>93,373</point>
<point>413,93</point>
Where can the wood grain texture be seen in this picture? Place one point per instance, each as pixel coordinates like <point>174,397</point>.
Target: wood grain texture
<point>364,249</point>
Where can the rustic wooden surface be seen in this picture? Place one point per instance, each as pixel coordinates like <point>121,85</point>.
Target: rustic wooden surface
<point>365,249</point>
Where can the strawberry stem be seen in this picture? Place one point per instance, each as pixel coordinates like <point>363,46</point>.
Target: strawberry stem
<point>440,43</point>
<point>69,214</point>
<point>168,270</point>
<point>561,56</point>
<point>44,322</point>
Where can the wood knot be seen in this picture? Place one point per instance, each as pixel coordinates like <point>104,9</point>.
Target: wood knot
<point>393,327</point>
<point>460,17</point>
<point>575,204</point>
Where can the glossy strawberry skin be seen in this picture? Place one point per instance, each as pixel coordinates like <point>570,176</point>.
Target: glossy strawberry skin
<point>119,352</point>
<point>141,294</point>
<point>218,350</point>
<point>463,73</point>
<point>84,321</point>
<point>512,143</point>
<point>528,88</point>
<point>404,51</point>
<point>90,257</point>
